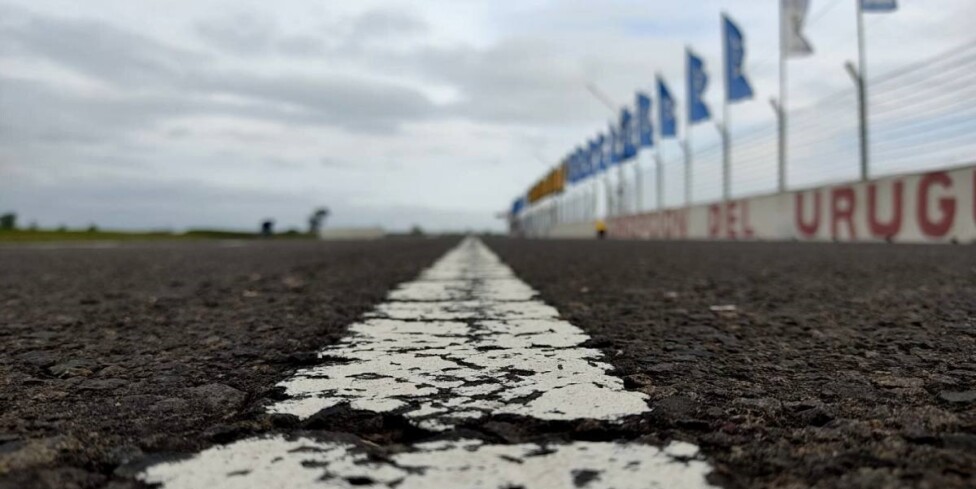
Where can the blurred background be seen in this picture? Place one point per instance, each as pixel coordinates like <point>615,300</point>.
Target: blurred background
<point>174,115</point>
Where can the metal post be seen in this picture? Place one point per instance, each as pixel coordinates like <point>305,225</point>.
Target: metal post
<point>638,186</point>
<point>781,140</point>
<point>781,106</point>
<point>862,96</point>
<point>620,189</point>
<point>659,180</point>
<point>558,209</point>
<point>688,160</point>
<point>591,200</point>
<point>723,129</point>
<point>858,78</point>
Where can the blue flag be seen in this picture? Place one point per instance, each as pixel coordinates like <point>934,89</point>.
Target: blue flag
<point>627,147</point>
<point>595,155</point>
<point>581,155</point>
<point>613,145</point>
<point>879,6</point>
<point>584,162</point>
<point>645,128</point>
<point>605,156</point>
<point>697,83</point>
<point>518,205</point>
<point>665,103</point>
<point>581,167</point>
<point>736,85</point>
<point>584,159</point>
<point>575,174</point>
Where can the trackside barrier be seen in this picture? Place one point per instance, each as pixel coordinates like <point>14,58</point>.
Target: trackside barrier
<point>573,230</point>
<point>934,207</point>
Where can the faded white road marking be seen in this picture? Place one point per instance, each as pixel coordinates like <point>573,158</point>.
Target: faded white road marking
<point>465,340</point>
<point>305,463</point>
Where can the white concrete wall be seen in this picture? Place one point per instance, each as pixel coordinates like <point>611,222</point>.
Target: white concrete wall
<point>934,207</point>
<point>574,230</point>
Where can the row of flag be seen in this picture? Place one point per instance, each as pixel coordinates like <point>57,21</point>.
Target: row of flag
<point>635,128</point>
<point>635,131</point>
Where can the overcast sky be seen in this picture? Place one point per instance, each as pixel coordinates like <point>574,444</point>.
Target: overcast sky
<point>217,113</point>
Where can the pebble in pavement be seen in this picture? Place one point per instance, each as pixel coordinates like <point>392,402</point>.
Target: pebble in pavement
<point>465,340</point>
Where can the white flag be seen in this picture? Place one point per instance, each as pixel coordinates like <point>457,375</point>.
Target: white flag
<point>793,16</point>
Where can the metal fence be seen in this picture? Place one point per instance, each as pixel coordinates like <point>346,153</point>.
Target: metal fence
<point>920,117</point>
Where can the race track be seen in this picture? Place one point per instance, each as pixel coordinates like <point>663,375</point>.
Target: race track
<point>636,364</point>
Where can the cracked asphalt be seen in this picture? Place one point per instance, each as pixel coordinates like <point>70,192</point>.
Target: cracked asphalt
<point>113,355</point>
<point>789,365</point>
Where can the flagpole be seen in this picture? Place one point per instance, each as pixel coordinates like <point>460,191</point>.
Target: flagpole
<point>620,188</point>
<point>638,185</point>
<point>781,106</point>
<point>659,150</point>
<point>688,155</point>
<point>723,127</point>
<point>607,186</point>
<point>688,161</point>
<point>659,175</point>
<point>862,76</point>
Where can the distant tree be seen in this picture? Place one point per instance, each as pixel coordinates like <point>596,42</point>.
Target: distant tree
<point>316,220</point>
<point>8,221</point>
<point>416,230</point>
<point>32,226</point>
<point>62,228</point>
<point>267,228</point>
<point>92,228</point>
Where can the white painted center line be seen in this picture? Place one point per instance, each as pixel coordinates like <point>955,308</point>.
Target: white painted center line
<point>464,341</point>
<point>304,463</point>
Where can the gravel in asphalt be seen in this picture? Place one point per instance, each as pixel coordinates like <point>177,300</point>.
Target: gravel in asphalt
<point>790,365</point>
<point>110,354</point>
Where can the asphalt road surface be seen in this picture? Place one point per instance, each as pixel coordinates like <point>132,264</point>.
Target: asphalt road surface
<point>434,363</point>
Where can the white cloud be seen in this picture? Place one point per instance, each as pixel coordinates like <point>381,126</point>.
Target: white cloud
<point>442,109</point>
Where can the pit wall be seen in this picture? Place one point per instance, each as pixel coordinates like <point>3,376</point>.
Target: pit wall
<point>935,207</point>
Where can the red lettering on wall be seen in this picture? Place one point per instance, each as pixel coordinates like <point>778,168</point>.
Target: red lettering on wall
<point>677,223</point>
<point>645,228</point>
<point>842,204</point>
<point>747,229</point>
<point>807,229</point>
<point>714,220</point>
<point>893,226</point>
<point>731,219</point>
<point>947,205</point>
